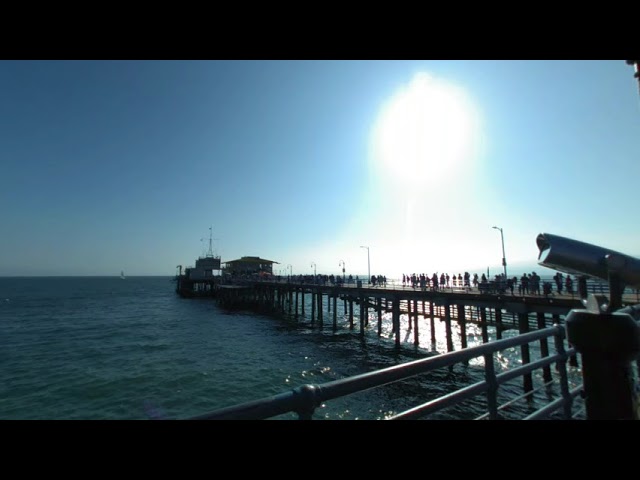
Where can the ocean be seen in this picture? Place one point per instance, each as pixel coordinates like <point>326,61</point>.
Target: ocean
<point>106,348</point>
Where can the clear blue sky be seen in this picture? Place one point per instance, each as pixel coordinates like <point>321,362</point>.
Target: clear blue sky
<point>124,165</point>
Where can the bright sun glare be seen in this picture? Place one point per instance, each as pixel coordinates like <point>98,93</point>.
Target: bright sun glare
<point>425,132</point>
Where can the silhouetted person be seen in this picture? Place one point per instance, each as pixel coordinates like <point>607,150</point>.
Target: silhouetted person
<point>558,279</point>
<point>569,285</point>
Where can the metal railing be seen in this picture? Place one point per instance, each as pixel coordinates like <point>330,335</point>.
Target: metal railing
<point>305,399</point>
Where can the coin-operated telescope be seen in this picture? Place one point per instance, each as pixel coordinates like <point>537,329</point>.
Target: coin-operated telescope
<point>607,336</point>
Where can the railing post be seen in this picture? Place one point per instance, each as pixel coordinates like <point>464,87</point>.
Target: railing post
<point>307,401</point>
<point>608,342</point>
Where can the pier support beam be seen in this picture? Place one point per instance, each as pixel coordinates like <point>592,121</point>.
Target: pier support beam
<point>463,325</point>
<point>290,300</point>
<point>335,312</point>
<point>498,313</point>
<point>366,311</point>
<point>395,308</point>
<point>362,313</point>
<point>523,327</point>
<point>379,303</point>
<point>351,313</point>
<point>484,326</point>
<point>544,347</point>
<point>416,336</point>
<point>433,325</point>
<point>447,323</point>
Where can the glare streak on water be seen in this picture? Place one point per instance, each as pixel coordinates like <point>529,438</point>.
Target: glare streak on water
<point>107,348</point>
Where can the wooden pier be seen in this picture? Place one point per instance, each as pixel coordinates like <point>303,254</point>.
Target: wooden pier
<point>503,312</point>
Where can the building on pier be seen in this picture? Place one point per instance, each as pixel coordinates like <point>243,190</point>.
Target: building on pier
<point>249,266</point>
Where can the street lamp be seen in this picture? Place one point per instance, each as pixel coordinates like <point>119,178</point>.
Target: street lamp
<point>504,258</point>
<point>290,270</point>
<point>343,269</point>
<point>368,264</point>
<point>313,264</point>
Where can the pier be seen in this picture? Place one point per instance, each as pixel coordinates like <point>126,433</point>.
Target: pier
<point>421,308</point>
<point>328,303</point>
<point>410,309</point>
<point>539,321</point>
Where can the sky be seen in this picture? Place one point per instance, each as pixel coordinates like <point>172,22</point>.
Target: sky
<point>109,166</point>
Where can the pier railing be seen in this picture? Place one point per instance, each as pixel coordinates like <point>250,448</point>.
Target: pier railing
<point>305,400</point>
<point>593,286</point>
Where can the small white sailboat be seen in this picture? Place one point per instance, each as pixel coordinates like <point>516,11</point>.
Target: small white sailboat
<point>122,274</point>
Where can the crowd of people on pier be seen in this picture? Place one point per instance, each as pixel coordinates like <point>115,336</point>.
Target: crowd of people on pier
<point>527,284</point>
<point>375,280</point>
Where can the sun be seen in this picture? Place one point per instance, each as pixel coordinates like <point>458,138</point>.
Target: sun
<point>425,132</point>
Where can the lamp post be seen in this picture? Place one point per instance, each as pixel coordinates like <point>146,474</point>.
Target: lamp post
<point>290,270</point>
<point>504,258</point>
<point>343,269</point>
<point>368,264</point>
<point>313,264</point>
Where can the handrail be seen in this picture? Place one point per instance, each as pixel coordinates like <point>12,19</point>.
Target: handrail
<point>305,399</point>
<point>553,406</point>
<point>518,398</point>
